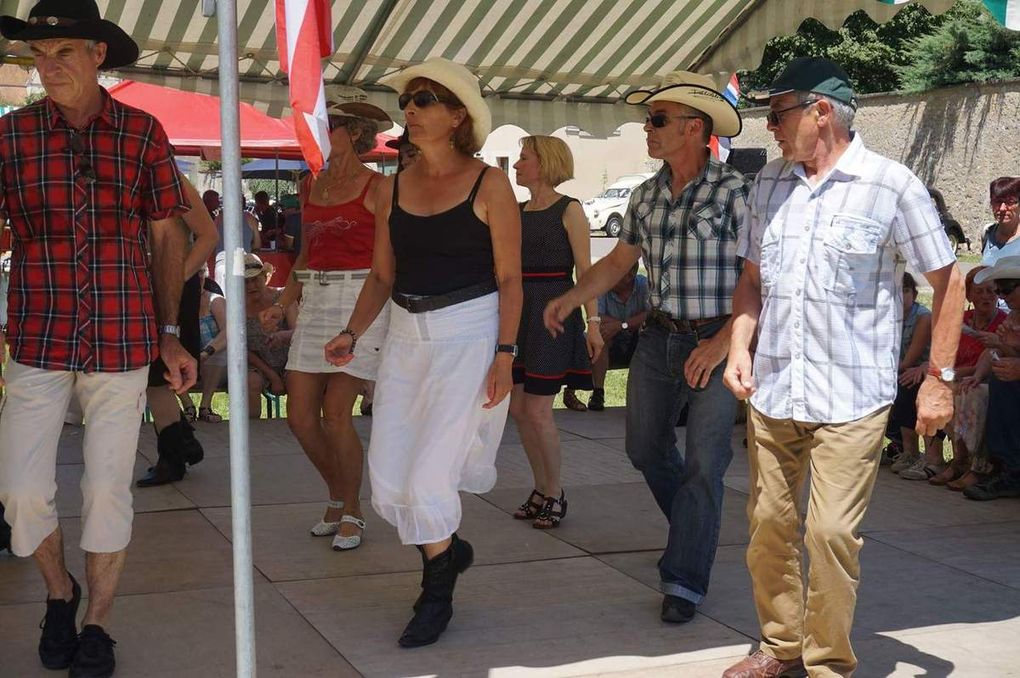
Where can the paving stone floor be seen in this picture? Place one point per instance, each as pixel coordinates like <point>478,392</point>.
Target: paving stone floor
<point>940,594</point>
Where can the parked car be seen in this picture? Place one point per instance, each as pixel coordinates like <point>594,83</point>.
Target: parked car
<point>605,211</point>
<point>951,226</point>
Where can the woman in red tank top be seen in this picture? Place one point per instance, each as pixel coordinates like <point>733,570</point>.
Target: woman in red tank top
<point>338,233</point>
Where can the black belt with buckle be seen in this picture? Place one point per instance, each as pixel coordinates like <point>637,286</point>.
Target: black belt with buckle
<point>683,326</point>
<point>414,303</point>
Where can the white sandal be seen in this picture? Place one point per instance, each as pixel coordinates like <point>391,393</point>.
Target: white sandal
<point>324,529</point>
<point>351,542</point>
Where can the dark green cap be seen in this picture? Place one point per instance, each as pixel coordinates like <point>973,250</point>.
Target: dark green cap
<point>815,74</point>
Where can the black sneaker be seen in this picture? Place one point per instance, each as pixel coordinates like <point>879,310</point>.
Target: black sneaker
<point>998,486</point>
<point>677,610</point>
<point>59,640</point>
<point>94,658</point>
<point>597,401</point>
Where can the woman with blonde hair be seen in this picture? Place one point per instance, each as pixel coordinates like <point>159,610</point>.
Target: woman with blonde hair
<point>554,241</point>
<point>447,251</point>
<point>338,235</point>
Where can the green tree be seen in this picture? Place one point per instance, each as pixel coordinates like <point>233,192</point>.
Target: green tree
<point>969,46</point>
<point>871,53</point>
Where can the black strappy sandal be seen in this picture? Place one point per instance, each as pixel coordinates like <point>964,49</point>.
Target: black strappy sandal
<point>548,517</point>
<point>190,413</point>
<point>530,509</point>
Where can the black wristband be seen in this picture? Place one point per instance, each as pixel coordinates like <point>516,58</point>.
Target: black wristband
<point>353,336</point>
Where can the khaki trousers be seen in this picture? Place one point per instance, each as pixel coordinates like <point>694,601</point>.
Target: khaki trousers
<point>844,460</point>
<point>31,418</point>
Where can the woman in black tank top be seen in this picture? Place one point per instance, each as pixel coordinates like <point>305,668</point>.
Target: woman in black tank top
<point>448,245</point>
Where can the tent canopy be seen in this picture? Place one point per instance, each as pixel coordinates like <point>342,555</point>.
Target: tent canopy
<point>543,64</point>
<point>192,121</point>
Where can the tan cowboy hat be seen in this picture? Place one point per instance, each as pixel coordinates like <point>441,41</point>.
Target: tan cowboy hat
<point>458,80</point>
<point>352,102</point>
<point>254,266</point>
<point>697,91</point>
<point>76,19</point>
<point>1005,267</point>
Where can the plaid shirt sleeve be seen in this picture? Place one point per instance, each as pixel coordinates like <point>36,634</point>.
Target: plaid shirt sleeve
<point>917,229</point>
<point>163,195</point>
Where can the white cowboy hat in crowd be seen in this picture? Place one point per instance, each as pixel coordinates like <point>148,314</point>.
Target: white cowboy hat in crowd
<point>697,91</point>
<point>1005,267</point>
<point>352,102</point>
<point>458,80</point>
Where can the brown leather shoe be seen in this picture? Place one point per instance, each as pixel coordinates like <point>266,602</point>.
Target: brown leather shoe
<point>761,665</point>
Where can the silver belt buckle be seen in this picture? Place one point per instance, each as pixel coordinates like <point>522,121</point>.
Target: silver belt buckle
<point>322,277</point>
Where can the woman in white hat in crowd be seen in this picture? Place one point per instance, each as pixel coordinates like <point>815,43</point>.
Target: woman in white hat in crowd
<point>267,346</point>
<point>338,236</point>
<point>448,246</point>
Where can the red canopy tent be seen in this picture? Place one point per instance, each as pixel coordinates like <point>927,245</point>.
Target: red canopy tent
<point>192,121</point>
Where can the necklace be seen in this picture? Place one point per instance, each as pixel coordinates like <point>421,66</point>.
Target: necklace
<point>324,188</point>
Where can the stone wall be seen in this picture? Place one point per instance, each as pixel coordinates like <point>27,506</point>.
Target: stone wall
<point>957,139</point>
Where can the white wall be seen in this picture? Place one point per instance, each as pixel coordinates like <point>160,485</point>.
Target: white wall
<point>597,162</point>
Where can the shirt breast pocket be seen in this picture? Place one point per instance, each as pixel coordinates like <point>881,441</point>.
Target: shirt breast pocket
<point>769,261</point>
<point>706,223</point>
<point>852,258</point>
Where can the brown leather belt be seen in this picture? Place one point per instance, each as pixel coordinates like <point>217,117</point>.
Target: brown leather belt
<point>683,326</point>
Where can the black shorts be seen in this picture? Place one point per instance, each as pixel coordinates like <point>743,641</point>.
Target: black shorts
<point>191,337</point>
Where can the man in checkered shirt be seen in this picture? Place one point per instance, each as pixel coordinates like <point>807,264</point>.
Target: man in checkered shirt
<point>89,186</point>
<point>683,222</point>
<point>830,226</point>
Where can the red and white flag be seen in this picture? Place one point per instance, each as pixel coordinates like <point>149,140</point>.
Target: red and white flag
<point>304,36</point>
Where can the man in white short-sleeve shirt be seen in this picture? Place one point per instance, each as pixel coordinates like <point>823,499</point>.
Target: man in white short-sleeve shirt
<point>831,226</point>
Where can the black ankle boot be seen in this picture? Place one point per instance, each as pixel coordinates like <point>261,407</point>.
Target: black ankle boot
<point>463,554</point>
<point>434,608</point>
<point>169,466</point>
<point>191,449</point>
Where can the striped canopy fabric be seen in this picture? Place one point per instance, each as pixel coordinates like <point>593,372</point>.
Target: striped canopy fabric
<point>543,64</point>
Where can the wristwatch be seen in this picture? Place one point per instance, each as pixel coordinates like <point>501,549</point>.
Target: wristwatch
<point>507,348</point>
<point>624,325</point>
<point>209,350</point>
<point>946,375</point>
<point>171,329</point>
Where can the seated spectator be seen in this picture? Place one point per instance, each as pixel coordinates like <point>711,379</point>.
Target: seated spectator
<point>212,319</point>
<point>915,343</point>
<point>250,240</point>
<point>966,429</point>
<point>1002,431</point>
<point>269,220</point>
<point>1001,238</point>
<point>291,222</point>
<point>623,310</point>
<point>267,351</point>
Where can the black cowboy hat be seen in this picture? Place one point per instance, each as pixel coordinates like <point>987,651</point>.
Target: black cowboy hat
<point>77,19</point>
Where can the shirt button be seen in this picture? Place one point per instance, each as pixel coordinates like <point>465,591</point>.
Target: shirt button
<point>796,325</point>
<point>803,259</point>
<point>807,228</point>
<point>798,293</point>
<point>797,356</point>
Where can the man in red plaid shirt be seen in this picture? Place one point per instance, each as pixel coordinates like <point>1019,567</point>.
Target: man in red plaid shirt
<point>89,187</point>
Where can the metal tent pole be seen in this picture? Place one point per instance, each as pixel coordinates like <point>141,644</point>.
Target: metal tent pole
<point>240,476</point>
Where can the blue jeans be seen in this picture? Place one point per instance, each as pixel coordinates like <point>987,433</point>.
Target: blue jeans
<point>1002,427</point>
<point>688,487</point>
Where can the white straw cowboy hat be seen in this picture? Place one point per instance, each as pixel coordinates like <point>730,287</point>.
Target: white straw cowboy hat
<point>458,80</point>
<point>352,102</point>
<point>254,266</point>
<point>697,91</point>
<point>1005,267</point>
<point>76,19</point>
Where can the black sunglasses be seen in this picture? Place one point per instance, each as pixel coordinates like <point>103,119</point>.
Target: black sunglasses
<point>775,117</point>
<point>1004,289</point>
<point>423,98</point>
<point>1009,200</point>
<point>660,120</point>
<point>85,169</point>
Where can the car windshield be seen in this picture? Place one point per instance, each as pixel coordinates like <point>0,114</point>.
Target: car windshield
<point>616,193</point>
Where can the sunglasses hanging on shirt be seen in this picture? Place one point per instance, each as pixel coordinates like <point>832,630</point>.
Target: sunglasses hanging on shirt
<point>85,169</point>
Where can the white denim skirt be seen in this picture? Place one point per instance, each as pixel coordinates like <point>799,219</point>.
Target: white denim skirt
<point>430,436</point>
<point>325,308</point>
